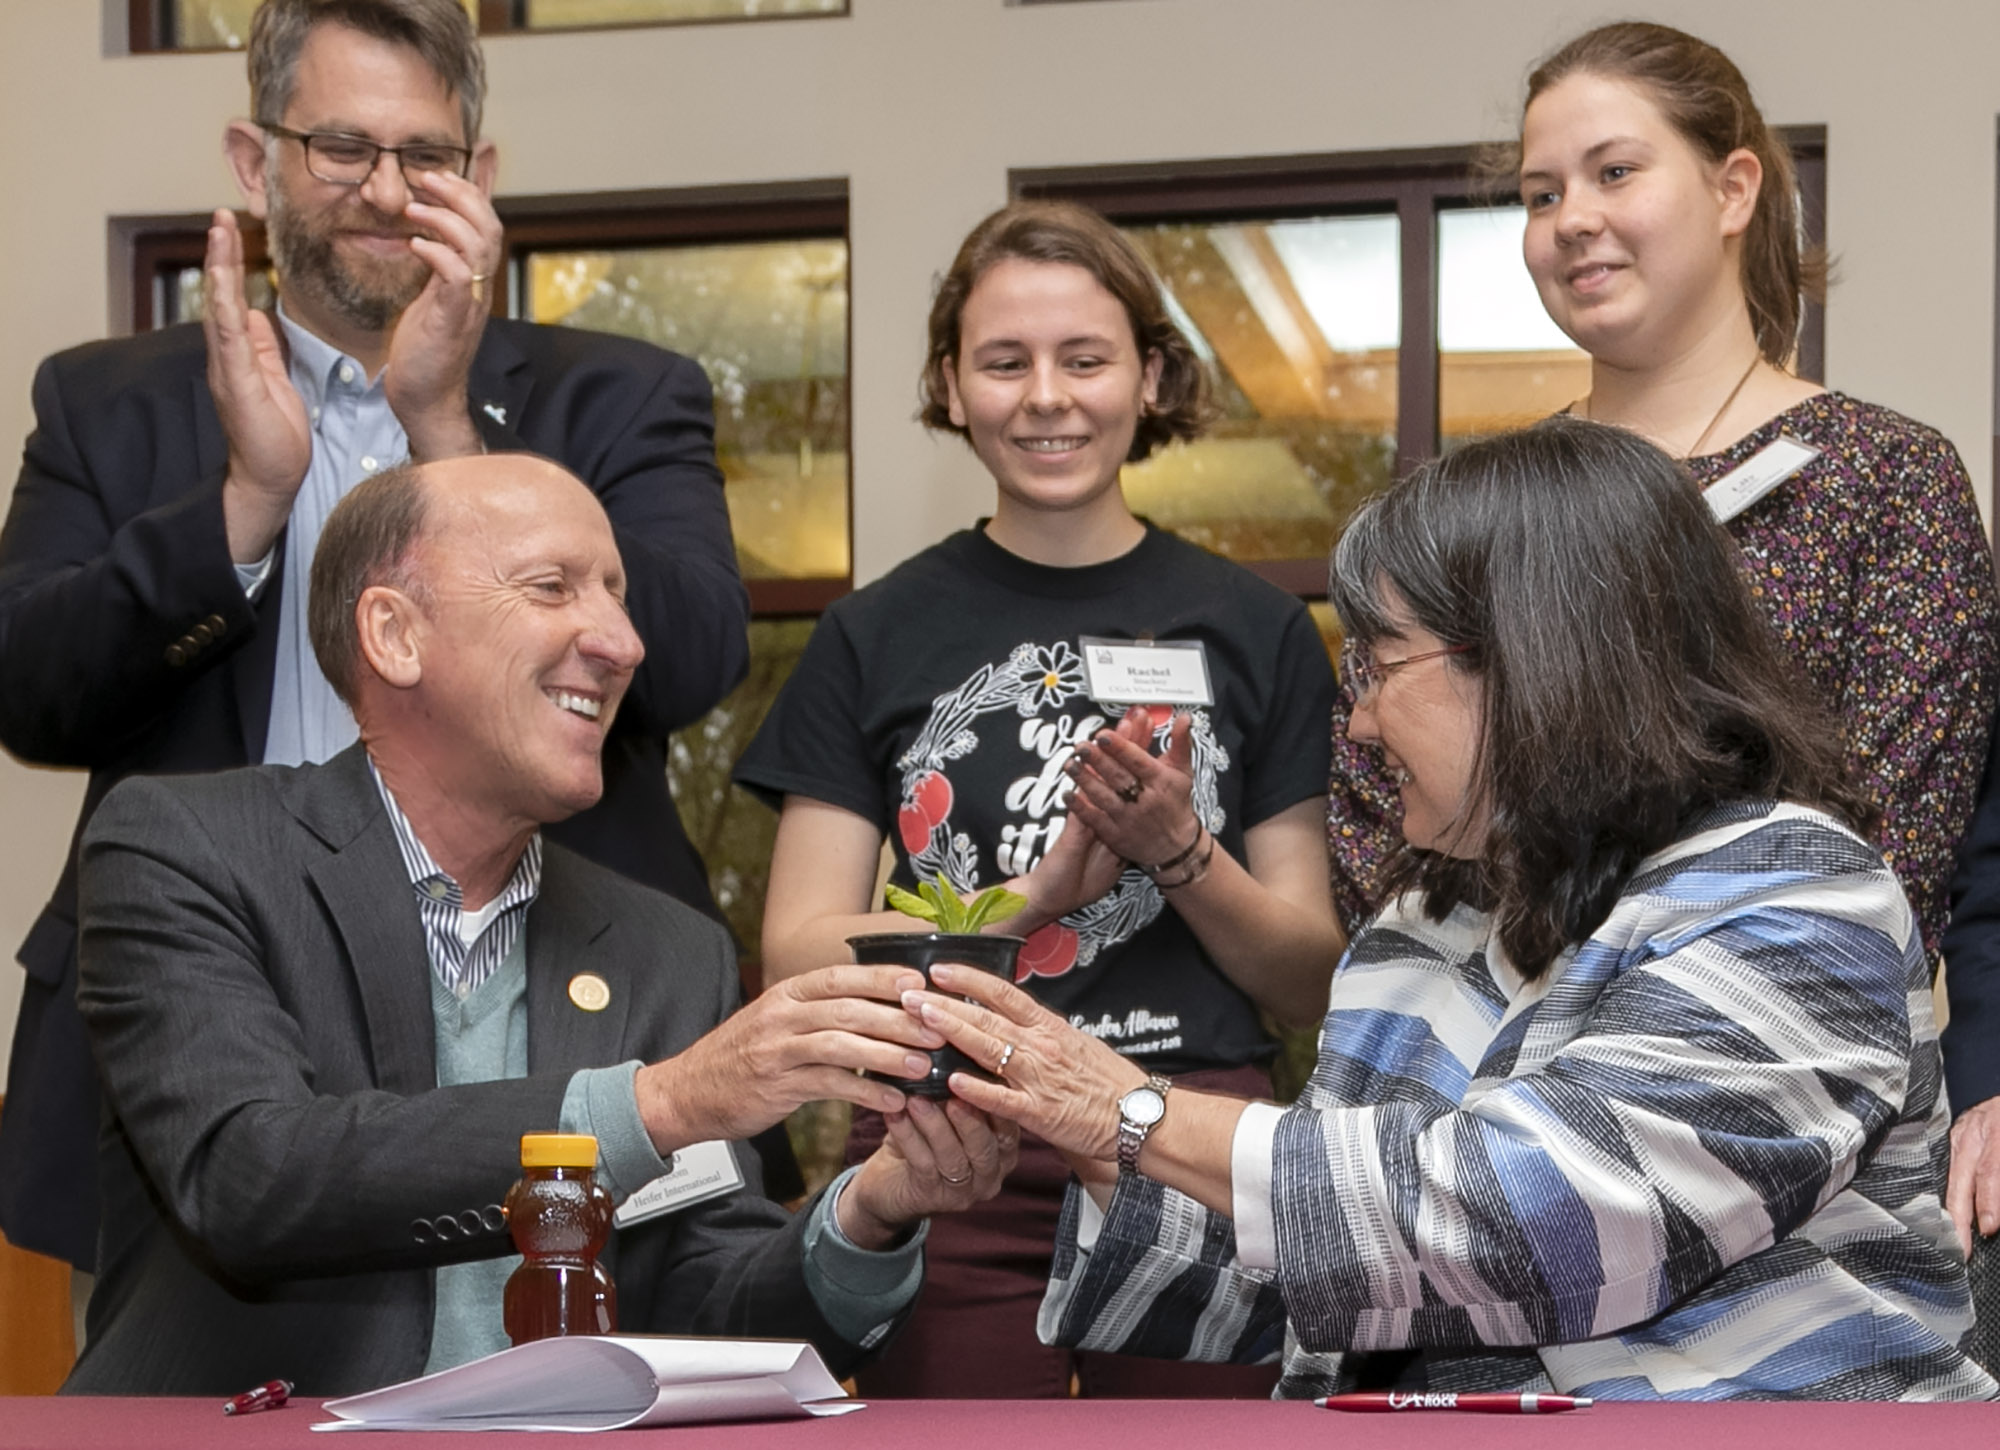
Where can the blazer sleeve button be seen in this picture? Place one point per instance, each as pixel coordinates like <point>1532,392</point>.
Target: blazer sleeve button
<point>495,1218</point>
<point>445,1227</point>
<point>420,1230</point>
<point>217,625</point>
<point>177,655</point>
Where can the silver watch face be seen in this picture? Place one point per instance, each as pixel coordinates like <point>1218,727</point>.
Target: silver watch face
<point>1142,1107</point>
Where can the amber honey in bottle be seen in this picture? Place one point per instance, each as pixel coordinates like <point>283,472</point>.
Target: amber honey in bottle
<point>559,1216</point>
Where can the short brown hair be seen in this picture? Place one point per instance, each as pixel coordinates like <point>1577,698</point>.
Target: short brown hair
<point>1705,98</point>
<point>367,540</point>
<point>438,30</point>
<point>1054,231</point>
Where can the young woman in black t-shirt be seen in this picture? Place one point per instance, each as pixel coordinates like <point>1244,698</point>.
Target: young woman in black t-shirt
<point>948,707</point>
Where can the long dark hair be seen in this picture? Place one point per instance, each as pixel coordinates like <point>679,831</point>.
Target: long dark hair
<point>1629,682</point>
<point>1705,98</point>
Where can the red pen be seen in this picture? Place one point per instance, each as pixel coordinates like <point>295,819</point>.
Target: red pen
<point>1380,1402</point>
<point>267,1396</point>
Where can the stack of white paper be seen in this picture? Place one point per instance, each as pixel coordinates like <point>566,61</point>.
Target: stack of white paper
<point>606,1384</point>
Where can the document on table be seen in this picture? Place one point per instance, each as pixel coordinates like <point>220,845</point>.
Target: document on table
<point>607,1383</point>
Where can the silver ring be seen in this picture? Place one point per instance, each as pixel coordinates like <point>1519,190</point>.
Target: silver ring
<point>1129,792</point>
<point>954,1182</point>
<point>1006,1056</point>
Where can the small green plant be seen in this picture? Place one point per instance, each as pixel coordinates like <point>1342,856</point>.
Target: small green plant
<point>935,902</point>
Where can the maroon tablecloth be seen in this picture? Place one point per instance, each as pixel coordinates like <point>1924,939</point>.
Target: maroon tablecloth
<point>123,1424</point>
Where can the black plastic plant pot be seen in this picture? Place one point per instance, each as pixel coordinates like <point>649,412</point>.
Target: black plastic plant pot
<point>923,950</point>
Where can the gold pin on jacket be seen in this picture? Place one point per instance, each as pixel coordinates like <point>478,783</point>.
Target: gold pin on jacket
<point>590,991</point>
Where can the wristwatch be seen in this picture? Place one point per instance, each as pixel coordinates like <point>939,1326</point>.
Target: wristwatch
<point>1139,1111</point>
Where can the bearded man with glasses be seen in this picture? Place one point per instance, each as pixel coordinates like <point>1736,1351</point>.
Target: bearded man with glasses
<point>153,566</point>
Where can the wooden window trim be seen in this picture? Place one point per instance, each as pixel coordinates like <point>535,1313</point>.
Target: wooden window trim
<point>149,24</point>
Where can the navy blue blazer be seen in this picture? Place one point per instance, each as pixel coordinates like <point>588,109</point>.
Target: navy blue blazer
<point>1971,1039</point>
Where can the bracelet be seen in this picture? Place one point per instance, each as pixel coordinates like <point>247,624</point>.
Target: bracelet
<point>1197,870</point>
<point>1180,857</point>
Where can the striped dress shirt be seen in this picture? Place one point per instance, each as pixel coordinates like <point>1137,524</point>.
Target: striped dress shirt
<point>463,965</point>
<point>1701,1158</point>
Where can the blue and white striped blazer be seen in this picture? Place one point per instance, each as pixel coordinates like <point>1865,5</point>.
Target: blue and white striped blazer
<point>1701,1158</point>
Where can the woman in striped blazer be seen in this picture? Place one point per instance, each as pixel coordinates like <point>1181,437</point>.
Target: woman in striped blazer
<point>1632,1090</point>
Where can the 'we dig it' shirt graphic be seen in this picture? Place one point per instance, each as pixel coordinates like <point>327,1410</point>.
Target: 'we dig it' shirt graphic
<point>993,751</point>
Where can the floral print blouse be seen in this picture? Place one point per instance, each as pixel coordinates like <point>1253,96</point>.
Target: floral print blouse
<point>1873,566</point>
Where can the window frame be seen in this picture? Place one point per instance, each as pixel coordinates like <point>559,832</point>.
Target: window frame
<point>709,216</point>
<point>1414,185</point>
<point>149,24</point>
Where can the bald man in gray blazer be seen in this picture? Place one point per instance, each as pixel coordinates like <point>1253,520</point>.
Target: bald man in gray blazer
<point>328,1001</point>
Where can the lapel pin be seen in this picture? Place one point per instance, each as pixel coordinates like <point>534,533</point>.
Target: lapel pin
<point>497,413</point>
<point>590,991</point>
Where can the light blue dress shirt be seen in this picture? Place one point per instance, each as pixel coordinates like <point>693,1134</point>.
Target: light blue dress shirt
<point>355,435</point>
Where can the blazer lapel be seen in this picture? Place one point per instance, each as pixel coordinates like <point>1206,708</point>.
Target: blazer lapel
<point>499,386</point>
<point>365,887</point>
<point>569,936</point>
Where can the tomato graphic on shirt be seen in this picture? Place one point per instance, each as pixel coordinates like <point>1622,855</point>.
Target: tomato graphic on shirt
<point>1044,688</point>
<point>1049,952</point>
<point>925,808</point>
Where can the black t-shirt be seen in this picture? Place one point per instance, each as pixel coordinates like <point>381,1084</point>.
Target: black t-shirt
<point>941,703</point>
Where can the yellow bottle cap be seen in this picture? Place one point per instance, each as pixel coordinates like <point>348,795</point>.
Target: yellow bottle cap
<point>558,1150</point>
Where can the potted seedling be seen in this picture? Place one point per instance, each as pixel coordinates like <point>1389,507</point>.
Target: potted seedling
<point>958,938</point>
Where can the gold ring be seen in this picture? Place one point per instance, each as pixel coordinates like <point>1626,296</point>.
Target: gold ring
<point>1006,1056</point>
<point>479,280</point>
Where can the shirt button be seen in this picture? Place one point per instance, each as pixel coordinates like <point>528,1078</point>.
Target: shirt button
<point>369,465</point>
<point>438,890</point>
<point>316,419</point>
<point>347,372</point>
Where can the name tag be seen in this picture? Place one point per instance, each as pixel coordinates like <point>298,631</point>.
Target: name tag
<point>1139,672</point>
<point>701,1171</point>
<point>1756,476</point>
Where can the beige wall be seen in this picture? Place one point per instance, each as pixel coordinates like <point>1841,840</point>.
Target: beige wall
<point>924,105</point>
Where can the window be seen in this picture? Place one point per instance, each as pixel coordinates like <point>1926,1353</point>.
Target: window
<point>755,289</point>
<point>753,285</point>
<point>164,25</point>
<point>1362,313</point>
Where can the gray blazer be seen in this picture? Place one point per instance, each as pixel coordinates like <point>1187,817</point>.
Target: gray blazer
<point>280,1169</point>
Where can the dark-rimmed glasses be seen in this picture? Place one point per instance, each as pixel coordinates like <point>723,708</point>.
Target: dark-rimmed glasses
<point>342,160</point>
<point>1362,673</point>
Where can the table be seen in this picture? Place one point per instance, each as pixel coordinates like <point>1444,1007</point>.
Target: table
<point>133,1424</point>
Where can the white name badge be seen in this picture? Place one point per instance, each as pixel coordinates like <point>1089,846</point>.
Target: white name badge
<point>1756,476</point>
<point>701,1171</point>
<point>1146,672</point>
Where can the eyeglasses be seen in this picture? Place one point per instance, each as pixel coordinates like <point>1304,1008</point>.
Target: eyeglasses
<point>342,160</point>
<point>1363,674</point>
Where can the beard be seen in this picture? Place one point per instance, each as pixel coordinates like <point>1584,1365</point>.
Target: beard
<point>370,294</point>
